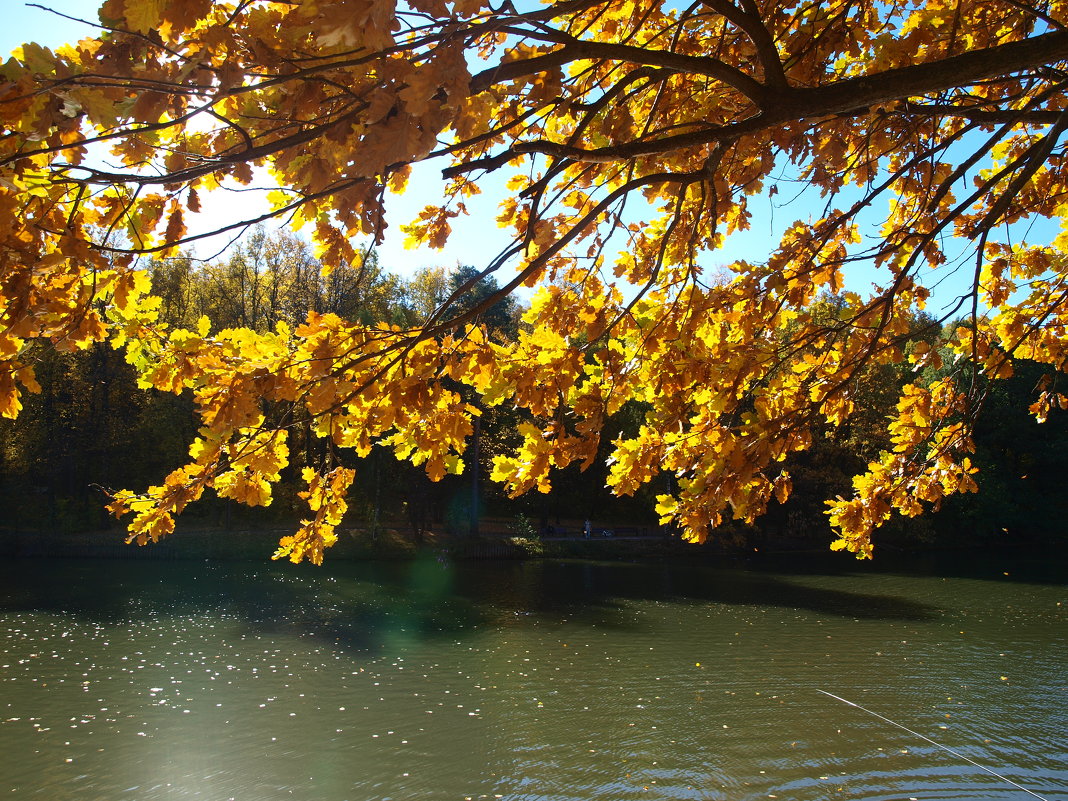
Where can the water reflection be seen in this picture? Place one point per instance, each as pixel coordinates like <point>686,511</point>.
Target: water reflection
<point>360,606</point>
<point>590,587</point>
<point>159,681</point>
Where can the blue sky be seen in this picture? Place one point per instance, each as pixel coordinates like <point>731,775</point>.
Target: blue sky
<point>24,23</point>
<point>476,238</point>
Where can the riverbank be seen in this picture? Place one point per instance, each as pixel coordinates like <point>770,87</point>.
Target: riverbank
<point>394,544</point>
<point>353,544</point>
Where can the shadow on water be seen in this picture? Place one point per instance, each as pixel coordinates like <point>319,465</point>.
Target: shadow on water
<point>591,589</point>
<point>1047,565</point>
<point>357,606</point>
<point>365,606</point>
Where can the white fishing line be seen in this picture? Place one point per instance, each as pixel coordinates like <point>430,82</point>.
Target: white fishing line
<point>937,745</point>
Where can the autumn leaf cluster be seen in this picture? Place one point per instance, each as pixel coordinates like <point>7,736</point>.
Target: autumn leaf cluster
<point>635,139</point>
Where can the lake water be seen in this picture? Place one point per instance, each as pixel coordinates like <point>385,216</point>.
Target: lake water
<point>160,681</point>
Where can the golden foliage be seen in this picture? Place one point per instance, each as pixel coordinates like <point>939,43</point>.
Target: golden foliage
<point>636,127</point>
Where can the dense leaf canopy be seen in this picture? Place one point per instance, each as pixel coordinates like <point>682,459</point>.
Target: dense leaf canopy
<point>634,137</point>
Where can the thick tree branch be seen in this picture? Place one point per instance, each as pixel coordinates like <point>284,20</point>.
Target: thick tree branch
<point>981,115</point>
<point>917,80</point>
<point>580,50</point>
<point>852,95</point>
<point>754,28</point>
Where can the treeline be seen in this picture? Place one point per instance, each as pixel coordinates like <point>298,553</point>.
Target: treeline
<point>1022,464</point>
<point>90,429</point>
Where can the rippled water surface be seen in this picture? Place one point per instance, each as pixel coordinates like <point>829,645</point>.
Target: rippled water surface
<point>151,681</point>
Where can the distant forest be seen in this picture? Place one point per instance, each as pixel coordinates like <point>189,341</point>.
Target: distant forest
<point>91,429</point>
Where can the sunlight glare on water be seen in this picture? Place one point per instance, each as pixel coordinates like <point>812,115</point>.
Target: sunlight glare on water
<point>152,681</point>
